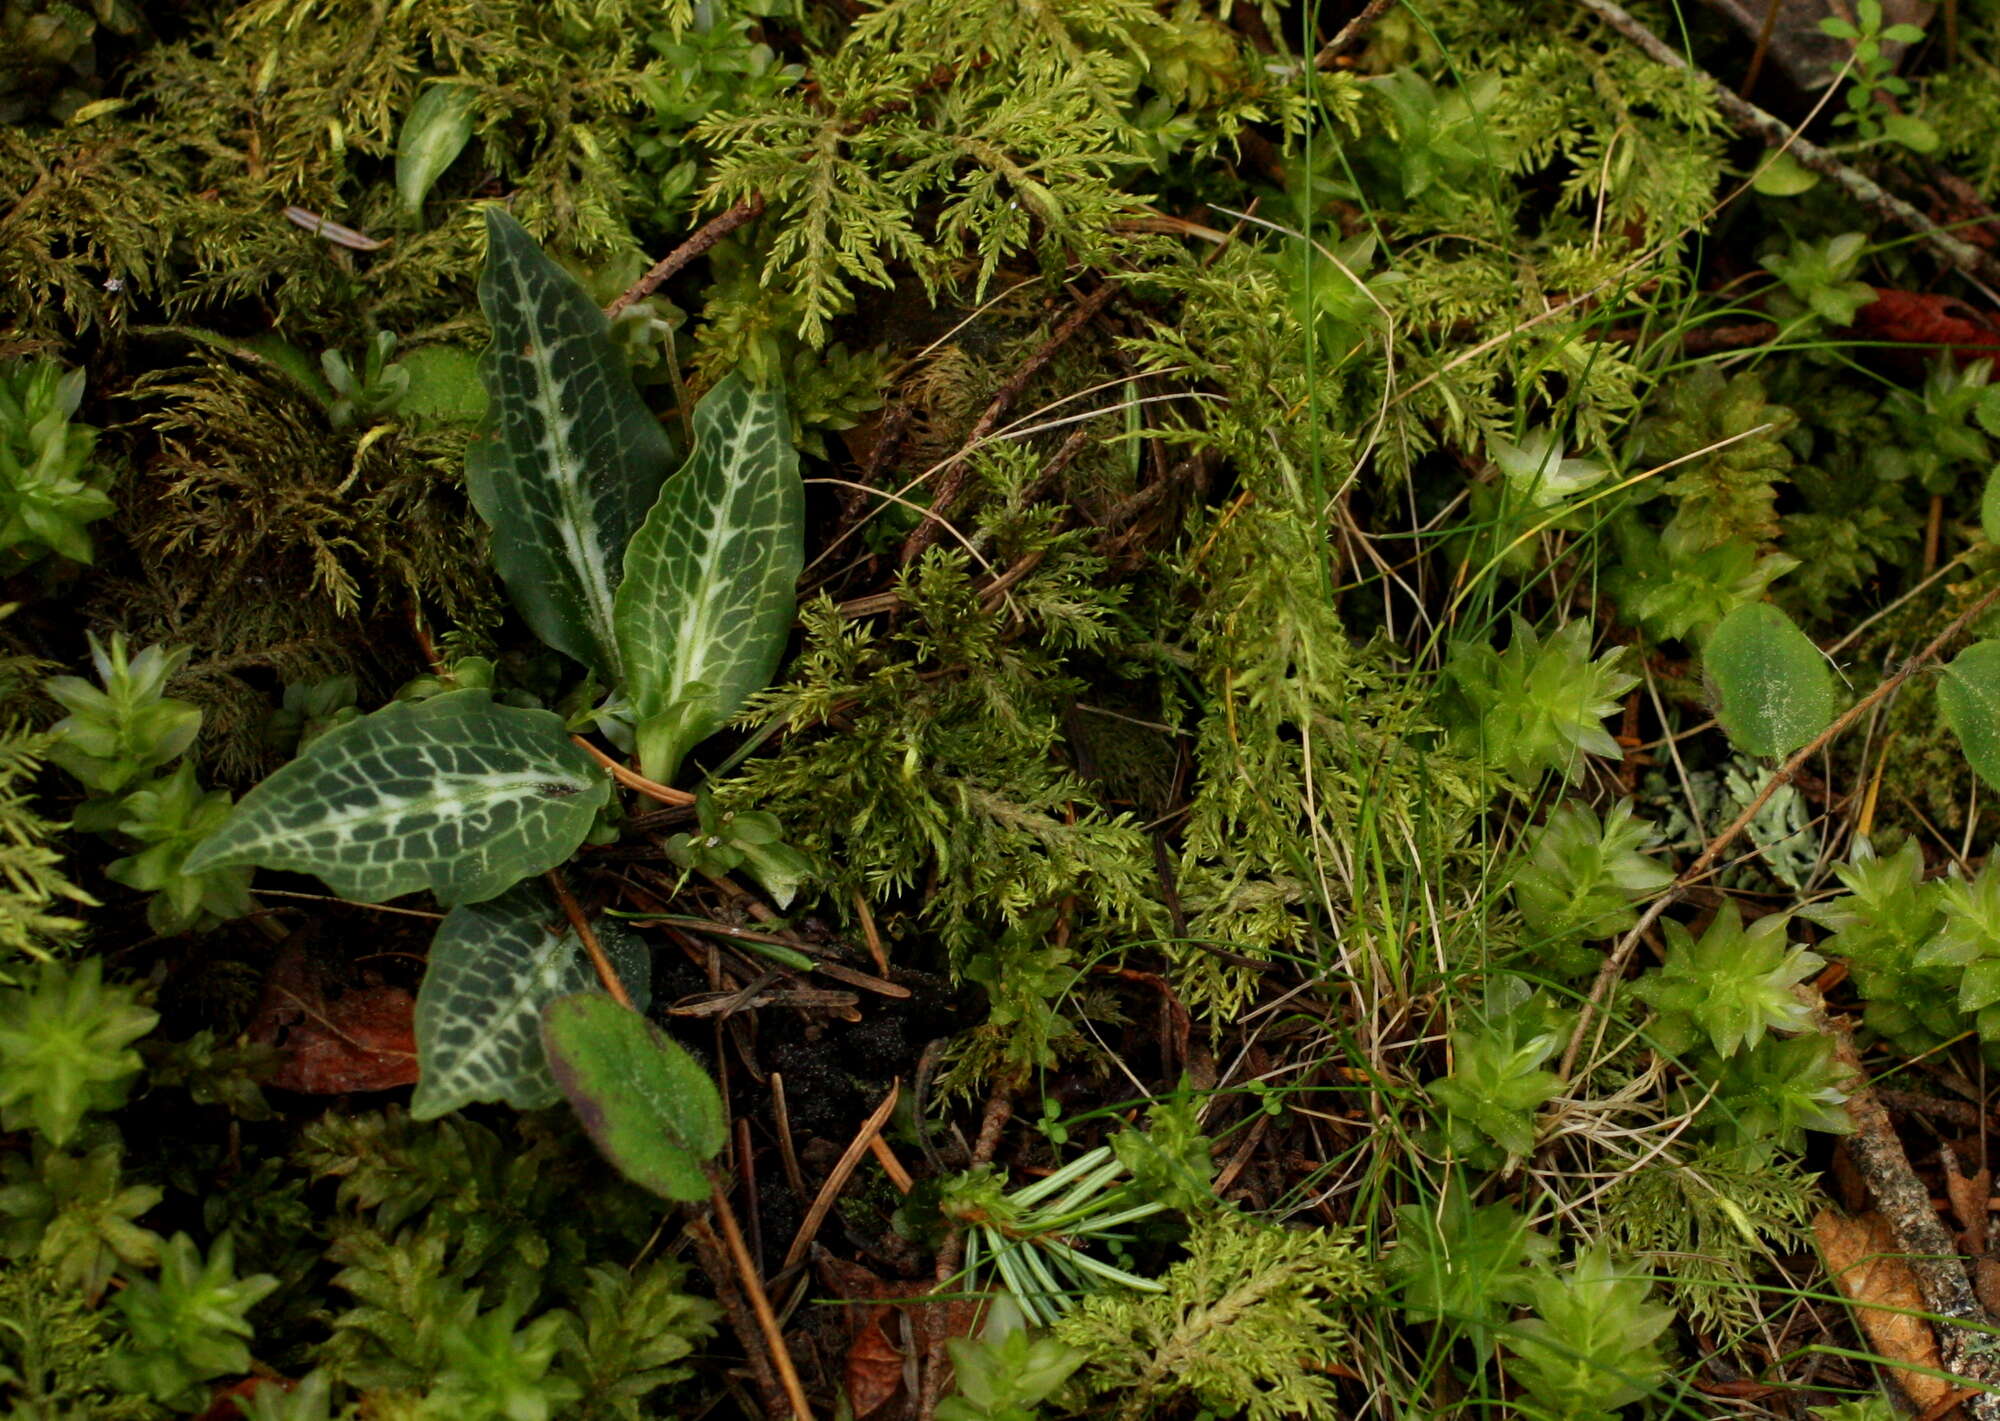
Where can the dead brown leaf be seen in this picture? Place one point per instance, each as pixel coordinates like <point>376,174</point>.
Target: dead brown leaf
<point>874,1366</point>
<point>1861,1255</point>
<point>331,1042</point>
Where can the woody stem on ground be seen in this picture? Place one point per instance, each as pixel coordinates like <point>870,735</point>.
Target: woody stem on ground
<point>705,236</point>
<point>1776,133</point>
<point>1614,963</point>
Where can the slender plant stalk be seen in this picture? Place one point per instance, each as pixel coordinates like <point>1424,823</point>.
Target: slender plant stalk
<point>760,1304</point>
<point>606,973</point>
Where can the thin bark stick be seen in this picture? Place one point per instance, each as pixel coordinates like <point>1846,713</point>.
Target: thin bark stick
<point>1776,133</point>
<point>705,236</point>
<point>1931,1254</point>
<point>715,1262</point>
<point>1352,33</point>
<point>1614,964</point>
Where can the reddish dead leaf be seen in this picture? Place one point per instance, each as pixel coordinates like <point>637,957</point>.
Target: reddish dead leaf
<point>332,1043</point>
<point>1861,1255</point>
<point>1968,1194</point>
<point>222,1405</point>
<point>874,1365</point>
<point>1922,318</point>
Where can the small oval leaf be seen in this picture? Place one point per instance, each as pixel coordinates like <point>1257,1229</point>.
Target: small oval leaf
<point>652,1111</point>
<point>493,967</point>
<point>1771,686</point>
<point>1989,507</point>
<point>711,578</point>
<point>454,794</point>
<point>1784,176</point>
<point>435,133</point>
<point>1969,696</point>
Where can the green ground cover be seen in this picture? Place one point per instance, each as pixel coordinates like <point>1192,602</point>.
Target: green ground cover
<point>998,709</point>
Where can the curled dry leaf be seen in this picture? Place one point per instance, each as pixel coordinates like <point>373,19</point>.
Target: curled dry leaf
<point>1862,1258</point>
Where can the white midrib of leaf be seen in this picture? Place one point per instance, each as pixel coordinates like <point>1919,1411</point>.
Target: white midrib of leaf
<point>701,633</point>
<point>577,518</point>
<point>506,787</point>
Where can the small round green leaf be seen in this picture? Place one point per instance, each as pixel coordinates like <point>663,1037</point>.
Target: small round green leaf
<point>1784,176</point>
<point>1969,695</point>
<point>444,385</point>
<point>652,1111</point>
<point>1771,686</point>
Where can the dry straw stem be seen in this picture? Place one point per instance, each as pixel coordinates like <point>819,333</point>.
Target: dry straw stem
<point>1614,964</point>
<point>633,780</point>
<point>1777,134</point>
<point>843,1170</point>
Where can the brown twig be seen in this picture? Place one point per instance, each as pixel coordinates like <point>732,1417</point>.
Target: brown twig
<point>760,1304</point>
<point>958,470</point>
<point>715,1262</point>
<point>1764,33</point>
<point>606,973</point>
<point>788,1154</point>
<point>1930,1253</point>
<point>1776,133</point>
<point>999,1110</point>
<point>633,780</point>
<point>1352,33</point>
<point>1614,963</point>
<point>1953,1112</point>
<point>705,236</point>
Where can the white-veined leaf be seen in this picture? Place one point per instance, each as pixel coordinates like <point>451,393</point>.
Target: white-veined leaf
<point>493,967</point>
<point>570,459</point>
<point>454,794</point>
<point>710,580</point>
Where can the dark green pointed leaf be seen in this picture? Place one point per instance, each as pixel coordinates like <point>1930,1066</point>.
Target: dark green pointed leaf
<point>434,134</point>
<point>652,1111</point>
<point>454,794</point>
<point>1969,695</point>
<point>570,459</point>
<point>1771,686</point>
<point>710,579</point>
<point>493,967</point>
